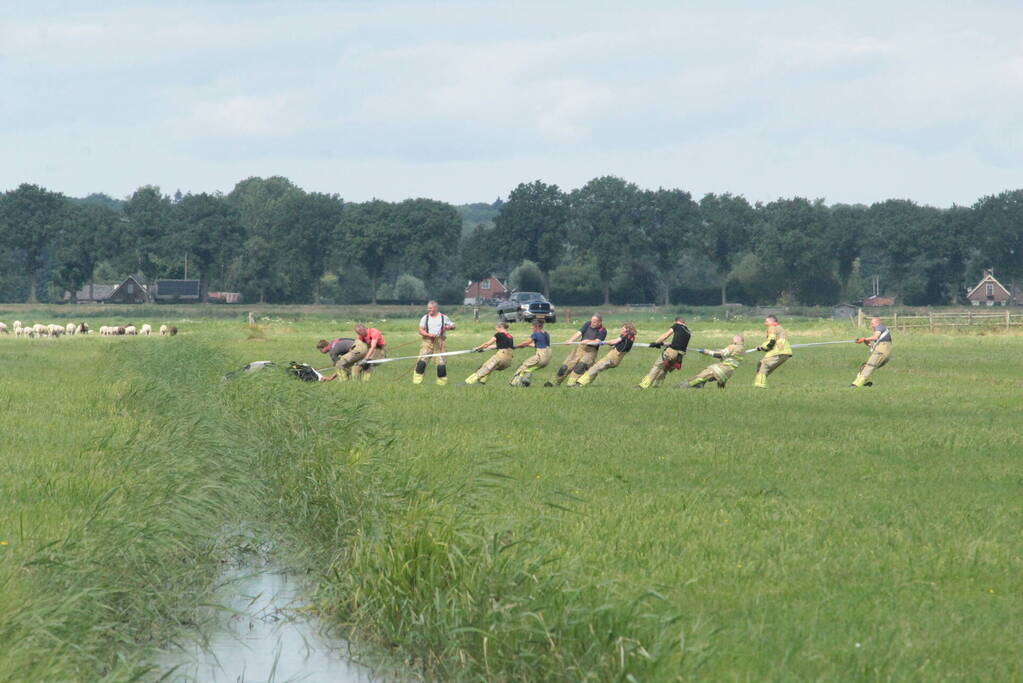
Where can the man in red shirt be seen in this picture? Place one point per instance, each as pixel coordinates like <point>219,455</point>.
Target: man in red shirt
<point>369,344</point>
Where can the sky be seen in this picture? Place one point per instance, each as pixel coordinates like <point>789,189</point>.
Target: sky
<point>461,101</point>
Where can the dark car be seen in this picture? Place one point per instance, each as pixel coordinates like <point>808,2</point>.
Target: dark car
<point>525,306</point>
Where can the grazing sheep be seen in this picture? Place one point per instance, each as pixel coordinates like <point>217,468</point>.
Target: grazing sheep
<point>120,330</point>
<point>130,331</point>
<point>104,330</point>
<point>3,328</point>
<point>146,330</point>
<point>18,331</point>
<point>163,330</point>
<point>41,330</point>
<point>17,324</point>
<point>83,328</point>
<point>55,330</point>
<point>172,330</point>
<point>69,329</point>
<point>28,332</point>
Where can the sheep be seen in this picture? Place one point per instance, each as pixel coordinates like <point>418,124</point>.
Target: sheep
<point>130,331</point>
<point>83,328</point>
<point>41,330</point>
<point>172,330</point>
<point>55,330</point>
<point>164,330</point>
<point>120,330</point>
<point>17,323</point>
<point>69,329</point>
<point>3,328</point>
<point>104,330</point>
<point>28,332</point>
<point>146,330</point>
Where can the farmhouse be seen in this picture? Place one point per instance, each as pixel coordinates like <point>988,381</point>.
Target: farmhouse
<point>91,294</point>
<point>989,291</point>
<point>489,288</point>
<point>130,291</point>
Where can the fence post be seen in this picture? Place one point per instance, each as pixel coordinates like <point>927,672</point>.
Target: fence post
<point>476,315</point>
<point>895,323</point>
<point>568,315</point>
<point>930,320</point>
<point>859,318</point>
<point>969,317</point>
<point>1007,323</point>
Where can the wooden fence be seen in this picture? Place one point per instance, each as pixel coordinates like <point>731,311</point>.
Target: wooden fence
<point>933,321</point>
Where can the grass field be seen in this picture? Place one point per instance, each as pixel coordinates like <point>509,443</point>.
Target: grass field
<point>810,531</point>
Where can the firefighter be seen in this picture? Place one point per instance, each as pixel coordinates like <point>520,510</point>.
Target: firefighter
<point>336,349</point>
<point>579,359</point>
<point>671,358</point>
<point>369,344</point>
<point>541,341</point>
<point>777,351</point>
<point>433,328</point>
<point>499,361</point>
<point>730,357</point>
<point>880,345</point>
<point>620,346</point>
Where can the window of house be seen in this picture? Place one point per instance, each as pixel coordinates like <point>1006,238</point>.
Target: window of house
<point>989,289</point>
<point>129,288</point>
<point>485,284</point>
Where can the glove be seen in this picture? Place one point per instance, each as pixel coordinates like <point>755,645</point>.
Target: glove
<point>477,350</point>
<point>701,350</point>
<point>656,345</point>
<point>760,348</point>
<point>860,340</point>
<point>363,363</point>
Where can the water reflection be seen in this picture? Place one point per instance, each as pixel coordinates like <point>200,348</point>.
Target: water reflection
<point>266,638</point>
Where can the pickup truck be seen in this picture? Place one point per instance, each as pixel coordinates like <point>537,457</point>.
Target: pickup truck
<point>526,306</point>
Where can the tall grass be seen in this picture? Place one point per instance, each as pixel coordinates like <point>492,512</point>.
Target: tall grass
<point>115,493</point>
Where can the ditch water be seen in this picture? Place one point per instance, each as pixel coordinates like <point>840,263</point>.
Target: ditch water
<point>264,636</point>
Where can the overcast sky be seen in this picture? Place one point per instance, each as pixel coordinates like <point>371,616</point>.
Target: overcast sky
<point>461,101</point>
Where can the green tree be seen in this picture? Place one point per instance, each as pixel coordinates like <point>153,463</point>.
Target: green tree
<point>727,223</point>
<point>605,224</point>
<point>999,227</point>
<point>526,277</point>
<point>89,232</point>
<point>792,242</point>
<point>208,229</point>
<point>309,225</point>
<point>30,218</point>
<point>150,218</point>
<point>369,236</point>
<point>408,288</point>
<point>670,219</point>
<point>262,205</point>
<point>532,225</point>
<point>479,255</point>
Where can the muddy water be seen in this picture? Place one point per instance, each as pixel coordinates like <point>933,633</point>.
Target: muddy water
<point>265,636</point>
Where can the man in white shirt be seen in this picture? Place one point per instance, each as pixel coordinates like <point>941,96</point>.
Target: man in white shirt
<point>433,329</point>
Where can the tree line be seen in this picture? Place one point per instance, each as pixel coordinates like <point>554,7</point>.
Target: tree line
<point>606,242</point>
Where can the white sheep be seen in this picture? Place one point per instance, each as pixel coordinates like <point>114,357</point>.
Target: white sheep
<point>17,323</point>
<point>3,328</point>
<point>130,331</point>
<point>41,330</point>
<point>28,332</point>
<point>146,330</point>
<point>163,330</point>
<point>55,330</point>
<point>69,329</point>
<point>83,328</point>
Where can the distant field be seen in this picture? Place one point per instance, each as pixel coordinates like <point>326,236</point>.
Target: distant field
<point>809,531</point>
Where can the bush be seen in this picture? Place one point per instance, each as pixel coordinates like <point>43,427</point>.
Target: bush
<point>410,289</point>
<point>526,277</point>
